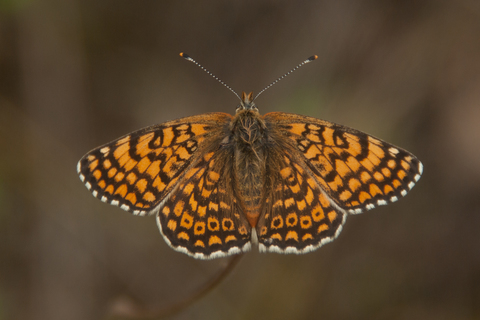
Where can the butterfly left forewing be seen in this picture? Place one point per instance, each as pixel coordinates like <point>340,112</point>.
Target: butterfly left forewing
<point>138,171</point>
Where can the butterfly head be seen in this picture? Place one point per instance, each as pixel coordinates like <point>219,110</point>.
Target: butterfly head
<point>246,103</point>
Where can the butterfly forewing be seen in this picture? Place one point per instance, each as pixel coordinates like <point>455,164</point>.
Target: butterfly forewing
<point>357,171</point>
<point>138,171</point>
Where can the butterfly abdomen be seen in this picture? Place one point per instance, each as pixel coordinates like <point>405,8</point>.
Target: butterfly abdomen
<point>249,137</point>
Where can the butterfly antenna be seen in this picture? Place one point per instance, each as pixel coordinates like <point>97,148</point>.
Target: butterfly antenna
<point>286,74</point>
<point>187,57</point>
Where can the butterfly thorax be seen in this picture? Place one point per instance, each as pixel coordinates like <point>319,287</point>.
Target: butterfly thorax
<point>249,137</point>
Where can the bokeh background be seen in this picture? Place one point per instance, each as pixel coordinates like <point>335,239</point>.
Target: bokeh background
<point>76,74</point>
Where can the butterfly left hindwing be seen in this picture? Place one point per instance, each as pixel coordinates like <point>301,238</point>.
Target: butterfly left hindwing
<point>203,218</point>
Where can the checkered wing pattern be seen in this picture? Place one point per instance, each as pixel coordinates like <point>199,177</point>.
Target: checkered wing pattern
<point>140,170</point>
<point>298,215</point>
<point>203,217</point>
<point>327,171</point>
<point>196,174</point>
<point>173,170</point>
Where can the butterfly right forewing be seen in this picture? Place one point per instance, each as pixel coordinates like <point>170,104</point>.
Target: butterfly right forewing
<point>356,170</point>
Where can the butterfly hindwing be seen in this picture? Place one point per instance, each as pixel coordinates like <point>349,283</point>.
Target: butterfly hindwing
<point>298,216</point>
<point>203,218</point>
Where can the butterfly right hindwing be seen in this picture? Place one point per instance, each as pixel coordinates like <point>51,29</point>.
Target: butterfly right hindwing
<point>297,216</point>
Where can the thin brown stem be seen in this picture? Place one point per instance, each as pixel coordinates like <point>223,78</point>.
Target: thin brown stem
<point>187,301</point>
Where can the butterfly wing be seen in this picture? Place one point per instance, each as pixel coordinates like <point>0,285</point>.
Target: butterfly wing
<point>298,216</point>
<point>203,217</point>
<point>329,171</point>
<point>139,170</point>
<point>179,171</point>
<point>356,170</point>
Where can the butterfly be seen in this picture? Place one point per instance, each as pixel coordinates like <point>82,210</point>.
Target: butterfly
<point>219,183</point>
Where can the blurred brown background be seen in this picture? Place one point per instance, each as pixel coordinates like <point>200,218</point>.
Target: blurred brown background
<point>77,74</point>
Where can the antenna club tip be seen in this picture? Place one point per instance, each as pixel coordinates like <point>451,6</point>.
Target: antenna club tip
<point>314,57</point>
<point>184,55</point>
